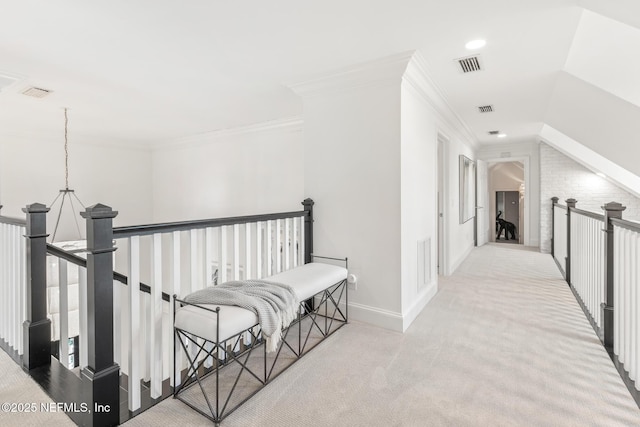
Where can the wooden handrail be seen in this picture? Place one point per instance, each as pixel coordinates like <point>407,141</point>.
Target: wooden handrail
<point>629,225</point>
<point>13,221</point>
<point>141,230</point>
<point>596,216</point>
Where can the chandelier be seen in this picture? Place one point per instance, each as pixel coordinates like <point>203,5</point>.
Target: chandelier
<point>66,195</point>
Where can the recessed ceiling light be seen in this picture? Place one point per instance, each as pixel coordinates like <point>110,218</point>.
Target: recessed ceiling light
<point>502,135</point>
<point>475,44</point>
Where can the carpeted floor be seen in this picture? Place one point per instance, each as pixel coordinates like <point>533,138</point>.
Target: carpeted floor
<point>503,343</point>
<point>19,394</point>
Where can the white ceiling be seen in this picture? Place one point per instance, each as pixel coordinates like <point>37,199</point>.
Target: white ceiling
<point>147,72</point>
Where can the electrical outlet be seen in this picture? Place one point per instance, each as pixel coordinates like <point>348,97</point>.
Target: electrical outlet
<point>352,280</point>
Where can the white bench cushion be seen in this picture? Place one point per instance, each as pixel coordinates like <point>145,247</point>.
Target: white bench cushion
<point>307,280</point>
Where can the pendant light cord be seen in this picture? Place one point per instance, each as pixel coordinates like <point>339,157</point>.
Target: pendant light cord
<point>66,152</point>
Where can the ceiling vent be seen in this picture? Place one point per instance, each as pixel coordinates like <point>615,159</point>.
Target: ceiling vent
<point>469,64</point>
<point>36,92</point>
<point>486,109</point>
<point>494,132</point>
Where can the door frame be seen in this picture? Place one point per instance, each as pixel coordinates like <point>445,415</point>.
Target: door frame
<point>477,226</point>
<point>527,193</point>
<point>442,200</point>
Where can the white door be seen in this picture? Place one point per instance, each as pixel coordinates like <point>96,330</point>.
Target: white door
<point>482,191</point>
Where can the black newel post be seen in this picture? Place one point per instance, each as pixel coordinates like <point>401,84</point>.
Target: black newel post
<point>36,327</point>
<point>308,230</point>
<point>554,201</point>
<point>101,377</point>
<point>571,203</point>
<point>611,210</point>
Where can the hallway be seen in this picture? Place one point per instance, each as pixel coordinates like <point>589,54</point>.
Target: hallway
<point>503,343</point>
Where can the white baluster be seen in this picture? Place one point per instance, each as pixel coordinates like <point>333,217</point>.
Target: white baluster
<point>223,255</point>
<point>208,256</point>
<point>259,252</point>
<point>236,251</point>
<point>279,244</point>
<point>196,282</point>
<point>155,309</point>
<point>269,242</point>
<point>145,341</point>
<point>4,271</point>
<point>208,260</point>
<point>133,356</point>
<point>295,247</point>
<point>288,241</point>
<point>4,281</point>
<point>23,288</point>
<point>627,297</point>
<point>83,327</point>
<point>176,380</point>
<point>63,294</point>
<point>248,249</point>
<point>616,289</point>
<point>119,330</point>
<point>636,269</point>
<point>633,313</point>
<point>11,309</point>
<point>301,250</point>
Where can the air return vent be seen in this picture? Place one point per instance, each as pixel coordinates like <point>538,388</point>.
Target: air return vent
<point>486,109</point>
<point>469,64</point>
<point>494,132</point>
<point>36,92</point>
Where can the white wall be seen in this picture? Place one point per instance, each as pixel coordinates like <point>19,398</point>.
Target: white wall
<point>119,177</point>
<point>371,162</point>
<point>529,154</point>
<point>250,171</point>
<point>564,178</point>
<point>352,168</point>
<point>419,163</point>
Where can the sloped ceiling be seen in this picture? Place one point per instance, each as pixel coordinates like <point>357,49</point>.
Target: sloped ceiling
<point>152,71</point>
<point>596,99</point>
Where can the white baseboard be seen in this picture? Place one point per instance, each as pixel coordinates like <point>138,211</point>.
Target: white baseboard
<point>389,319</point>
<point>376,316</point>
<point>460,260</point>
<point>421,302</point>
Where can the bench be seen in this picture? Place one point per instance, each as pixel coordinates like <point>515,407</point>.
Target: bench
<point>227,361</point>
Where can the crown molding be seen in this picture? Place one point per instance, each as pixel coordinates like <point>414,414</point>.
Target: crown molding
<point>407,66</point>
<point>418,77</point>
<point>368,74</point>
<point>287,124</point>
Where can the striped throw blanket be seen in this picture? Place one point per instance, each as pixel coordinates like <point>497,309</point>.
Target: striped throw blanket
<point>275,304</point>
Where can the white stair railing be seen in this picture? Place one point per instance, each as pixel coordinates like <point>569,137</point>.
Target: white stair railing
<point>12,283</point>
<point>587,260</point>
<point>181,258</point>
<point>560,236</point>
<point>626,342</point>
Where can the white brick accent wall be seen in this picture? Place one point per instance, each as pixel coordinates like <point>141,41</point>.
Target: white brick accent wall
<point>564,178</point>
